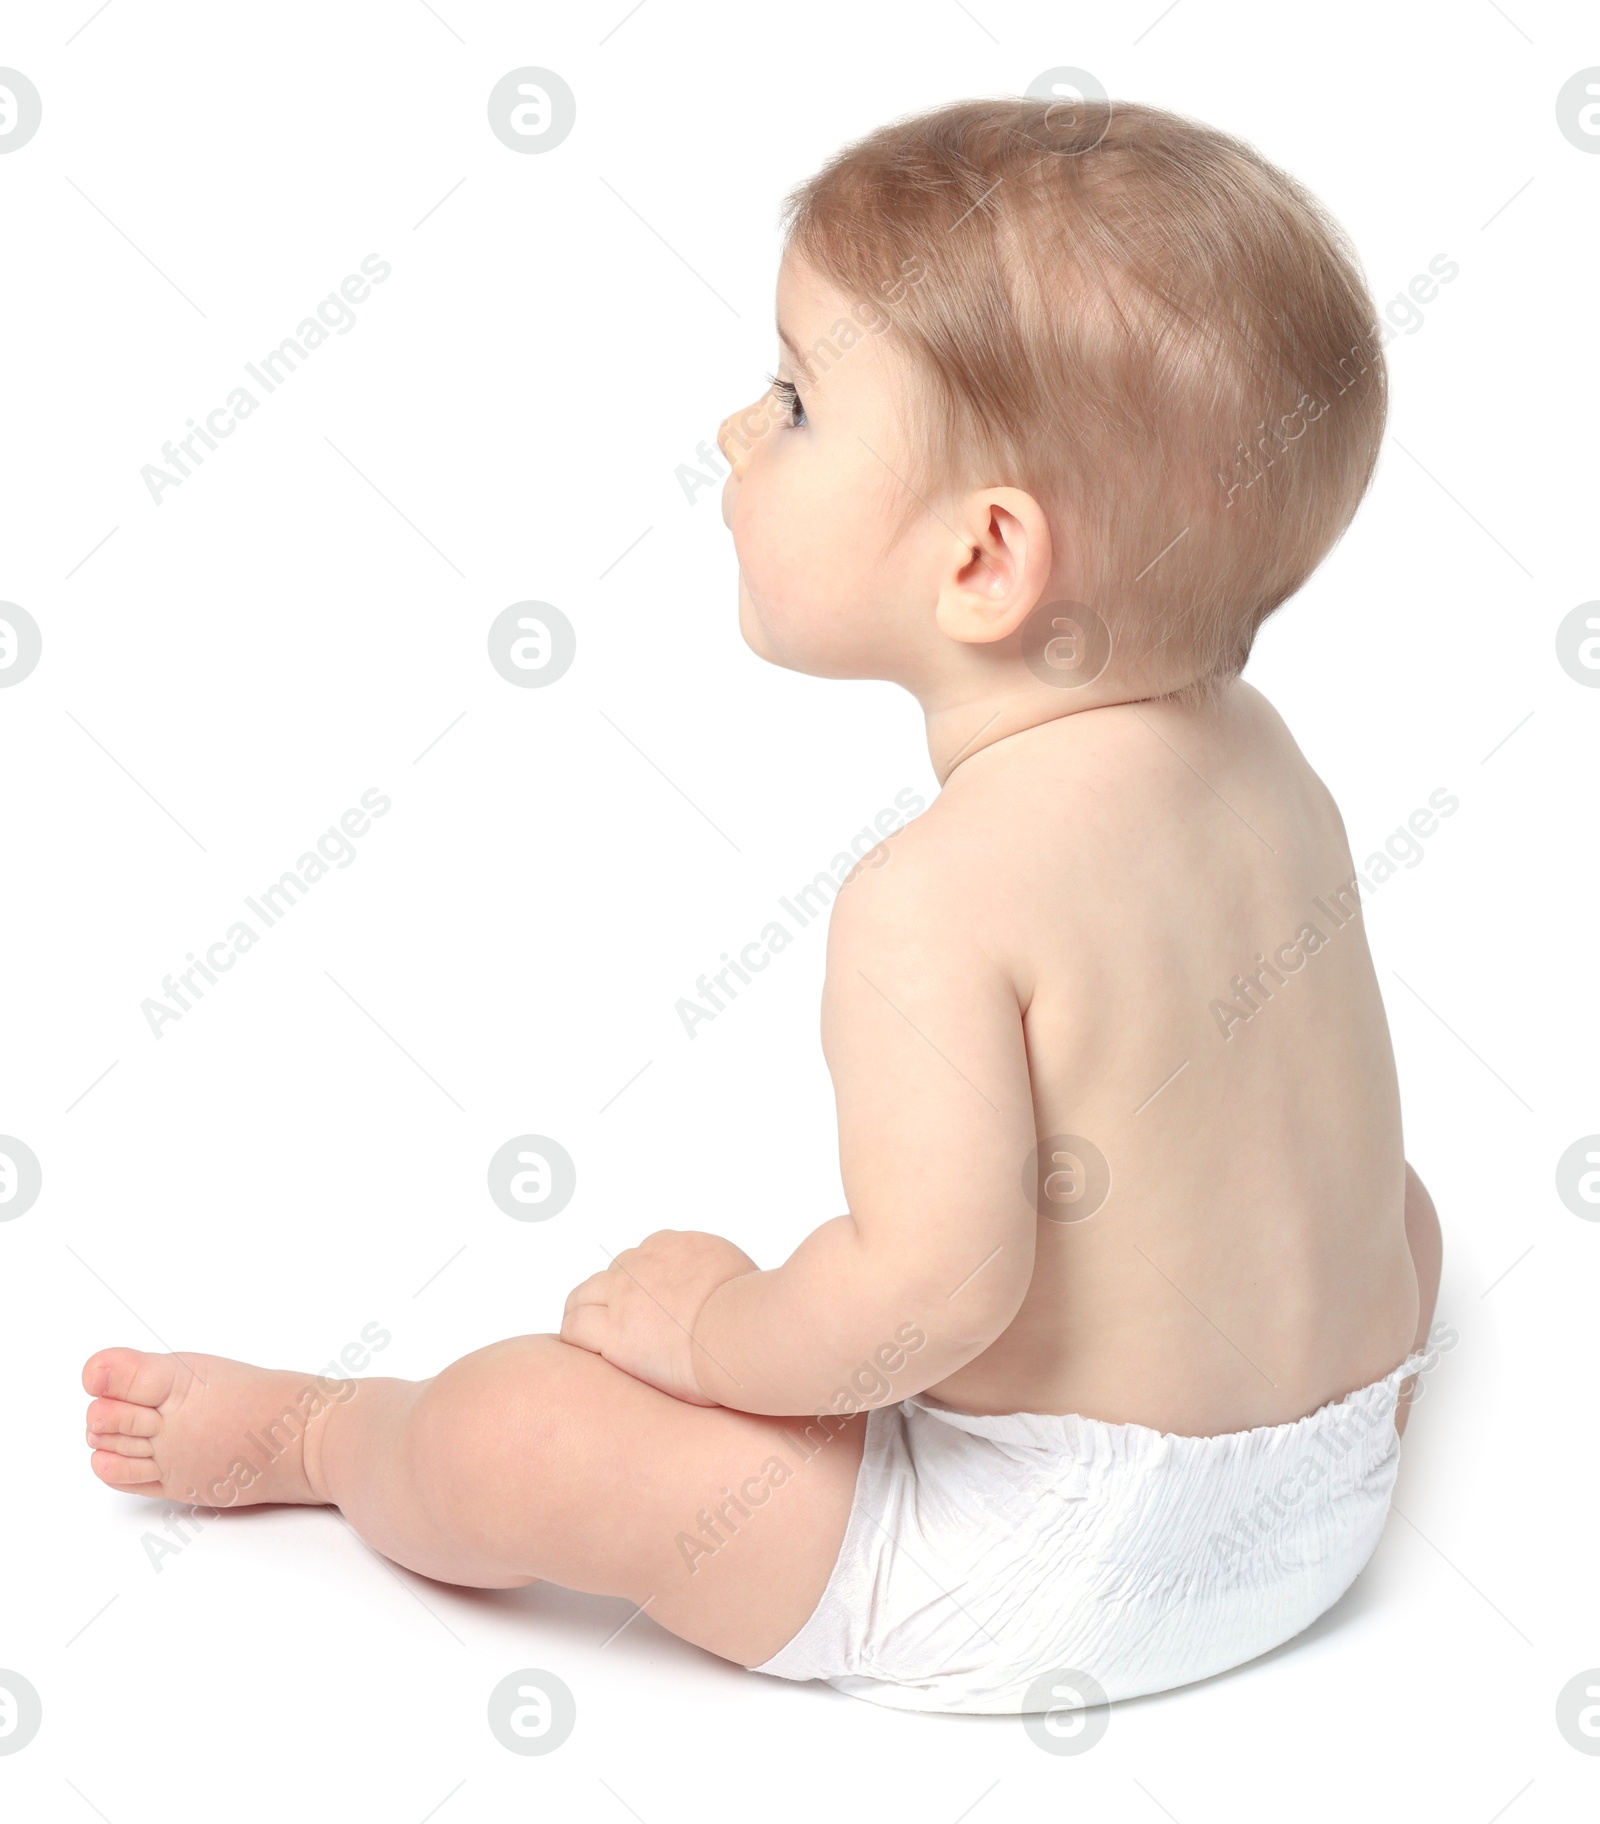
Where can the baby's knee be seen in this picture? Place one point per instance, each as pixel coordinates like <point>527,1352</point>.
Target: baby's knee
<point>509,1398</point>
<point>474,1438</point>
<point>1422,1219</point>
<point>1426,1242</point>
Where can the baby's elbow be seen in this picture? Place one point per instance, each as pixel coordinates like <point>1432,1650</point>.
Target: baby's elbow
<point>964,1314</point>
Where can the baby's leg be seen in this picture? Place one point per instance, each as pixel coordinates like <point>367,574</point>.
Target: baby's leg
<point>529,1460</point>
<point>1427,1254</point>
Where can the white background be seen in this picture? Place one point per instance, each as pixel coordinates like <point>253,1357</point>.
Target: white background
<point>227,672</point>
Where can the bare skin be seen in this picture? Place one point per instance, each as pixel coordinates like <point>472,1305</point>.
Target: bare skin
<point>1250,1260</point>
<point>527,1461</point>
<point>1427,1252</point>
<point>1100,929</point>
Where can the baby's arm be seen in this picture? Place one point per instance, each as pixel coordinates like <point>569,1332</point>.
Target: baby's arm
<point>923,1036</point>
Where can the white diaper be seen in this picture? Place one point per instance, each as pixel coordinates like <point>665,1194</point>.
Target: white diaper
<point>987,1558</point>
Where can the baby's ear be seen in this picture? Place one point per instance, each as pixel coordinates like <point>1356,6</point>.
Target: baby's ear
<point>999,571</point>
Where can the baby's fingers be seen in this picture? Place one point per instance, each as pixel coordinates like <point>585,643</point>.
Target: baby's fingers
<point>592,1291</point>
<point>586,1327</point>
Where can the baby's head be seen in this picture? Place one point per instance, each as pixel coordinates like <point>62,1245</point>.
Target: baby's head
<point>1055,380</point>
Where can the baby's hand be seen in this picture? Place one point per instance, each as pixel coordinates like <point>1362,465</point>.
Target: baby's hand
<point>640,1311</point>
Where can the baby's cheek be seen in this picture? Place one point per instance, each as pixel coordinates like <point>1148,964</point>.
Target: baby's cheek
<point>774,567</point>
<point>806,561</point>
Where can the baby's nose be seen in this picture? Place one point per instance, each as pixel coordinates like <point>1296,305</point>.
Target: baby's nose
<point>733,447</point>
<point>737,434</point>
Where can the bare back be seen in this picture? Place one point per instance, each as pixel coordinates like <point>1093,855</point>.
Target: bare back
<point>1171,892</point>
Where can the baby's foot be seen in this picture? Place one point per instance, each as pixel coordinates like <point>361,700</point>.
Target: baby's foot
<point>203,1429</point>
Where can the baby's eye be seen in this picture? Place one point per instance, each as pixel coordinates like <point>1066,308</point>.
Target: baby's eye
<point>789,399</point>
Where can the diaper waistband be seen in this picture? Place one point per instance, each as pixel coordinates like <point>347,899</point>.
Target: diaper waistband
<point>1069,1432</point>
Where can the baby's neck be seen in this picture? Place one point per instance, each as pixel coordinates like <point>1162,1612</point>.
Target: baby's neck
<point>964,725</point>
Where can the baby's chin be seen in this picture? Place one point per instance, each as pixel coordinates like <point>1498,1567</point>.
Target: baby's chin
<point>792,644</point>
<point>760,641</point>
<point>756,634</point>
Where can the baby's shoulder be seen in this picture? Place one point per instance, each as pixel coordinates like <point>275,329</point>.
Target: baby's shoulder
<point>913,891</point>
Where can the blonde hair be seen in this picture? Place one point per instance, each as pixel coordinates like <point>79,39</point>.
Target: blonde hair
<point>1140,320</point>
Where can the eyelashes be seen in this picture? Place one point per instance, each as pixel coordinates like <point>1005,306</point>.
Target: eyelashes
<point>789,398</point>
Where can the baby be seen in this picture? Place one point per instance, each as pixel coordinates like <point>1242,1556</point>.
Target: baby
<point>1096,1387</point>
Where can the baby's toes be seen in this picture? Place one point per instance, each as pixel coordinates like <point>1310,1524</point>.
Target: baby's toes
<point>118,1429</point>
<point>125,1472</point>
<point>124,1419</point>
<point>131,1375</point>
<point>119,1445</point>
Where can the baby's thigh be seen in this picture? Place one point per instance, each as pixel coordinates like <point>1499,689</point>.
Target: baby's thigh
<point>725,1525</point>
